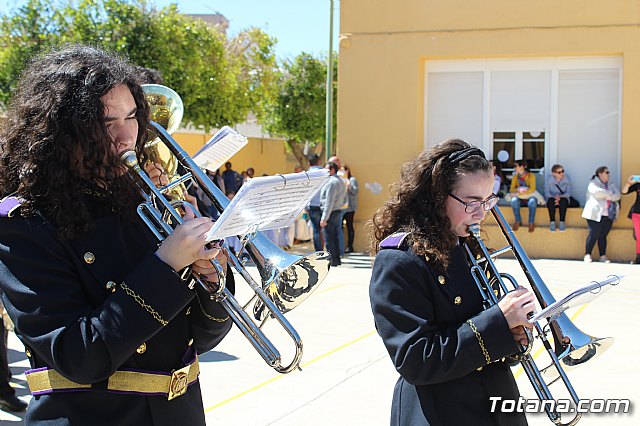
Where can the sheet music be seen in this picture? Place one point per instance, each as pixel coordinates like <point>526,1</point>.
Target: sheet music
<point>576,298</point>
<point>222,146</point>
<point>268,202</point>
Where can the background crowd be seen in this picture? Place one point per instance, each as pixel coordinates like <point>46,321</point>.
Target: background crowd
<point>329,212</point>
<point>601,207</point>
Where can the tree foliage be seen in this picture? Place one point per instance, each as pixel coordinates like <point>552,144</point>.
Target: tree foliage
<point>253,52</point>
<point>220,81</point>
<point>299,114</point>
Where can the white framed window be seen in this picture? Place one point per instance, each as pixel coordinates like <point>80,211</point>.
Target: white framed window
<point>520,145</point>
<point>546,110</point>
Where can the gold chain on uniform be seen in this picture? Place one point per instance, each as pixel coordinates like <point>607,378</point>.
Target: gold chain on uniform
<point>212,318</point>
<point>479,337</point>
<point>142,303</point>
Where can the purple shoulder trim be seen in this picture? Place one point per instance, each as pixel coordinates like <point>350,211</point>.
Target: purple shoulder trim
<point>35,370</point>
<point>9,205</point>
<point>394,241</point>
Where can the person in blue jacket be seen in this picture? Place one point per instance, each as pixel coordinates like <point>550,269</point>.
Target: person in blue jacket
<point>111,330</point>
<point>449,351</point>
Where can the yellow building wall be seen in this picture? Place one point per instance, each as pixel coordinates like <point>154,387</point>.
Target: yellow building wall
<point>386,45</point>
<point>266,156</point>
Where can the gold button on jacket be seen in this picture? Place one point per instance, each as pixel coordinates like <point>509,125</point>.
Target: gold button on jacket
<point>89,257</point>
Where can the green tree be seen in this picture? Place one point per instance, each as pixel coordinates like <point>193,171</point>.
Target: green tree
<point>220,81</point>
<point>299,115</point>
<point>252,52</point>
<point>32,28</point>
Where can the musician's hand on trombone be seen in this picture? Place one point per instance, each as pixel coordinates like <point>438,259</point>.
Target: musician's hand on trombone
<point>187,244</point>
<point>206,270</point>
<point>519,335</point>
<point>516,307</point>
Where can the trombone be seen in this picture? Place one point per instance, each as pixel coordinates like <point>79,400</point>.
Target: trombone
<point>286,280</point>
<point>572,346</point>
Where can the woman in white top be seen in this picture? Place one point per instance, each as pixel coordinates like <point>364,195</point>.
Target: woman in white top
<point>600,209</point>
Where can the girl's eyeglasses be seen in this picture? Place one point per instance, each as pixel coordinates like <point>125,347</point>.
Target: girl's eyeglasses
<point>473,206</point>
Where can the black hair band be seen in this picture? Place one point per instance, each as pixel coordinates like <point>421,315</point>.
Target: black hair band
<point>458,156</point>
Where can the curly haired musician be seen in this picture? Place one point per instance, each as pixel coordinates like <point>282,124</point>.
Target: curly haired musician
<point>111,330</point>
<point>427,308</point>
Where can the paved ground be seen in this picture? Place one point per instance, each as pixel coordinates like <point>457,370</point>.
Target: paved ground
<point>347,378</point>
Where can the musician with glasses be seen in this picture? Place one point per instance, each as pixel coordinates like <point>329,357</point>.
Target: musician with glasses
<point>557,190</point>
<point>448,349</point>
<point>110,328</point>
<point>601,209</point>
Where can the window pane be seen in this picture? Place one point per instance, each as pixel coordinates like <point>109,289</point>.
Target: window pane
<point>533,149</point>
<point>504,141</point>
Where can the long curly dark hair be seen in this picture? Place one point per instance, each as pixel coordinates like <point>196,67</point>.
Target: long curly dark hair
<point>418,201</point>
<point>56,121</point>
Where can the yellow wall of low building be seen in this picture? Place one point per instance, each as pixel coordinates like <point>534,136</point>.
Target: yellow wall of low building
<point>386,45</point>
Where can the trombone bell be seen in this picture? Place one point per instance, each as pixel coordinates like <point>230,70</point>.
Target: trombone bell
<point>578,348</point>
<point>288,287</point>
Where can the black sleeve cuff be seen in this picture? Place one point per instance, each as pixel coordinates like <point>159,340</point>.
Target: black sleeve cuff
<point>492,330</point>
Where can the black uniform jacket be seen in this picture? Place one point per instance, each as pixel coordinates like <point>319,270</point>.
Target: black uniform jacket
<point>89,306</point>
<point>422,318</point>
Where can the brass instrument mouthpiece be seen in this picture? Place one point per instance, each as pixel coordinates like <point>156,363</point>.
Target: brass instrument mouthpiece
<point>474,230</point>
<point>130,159</point>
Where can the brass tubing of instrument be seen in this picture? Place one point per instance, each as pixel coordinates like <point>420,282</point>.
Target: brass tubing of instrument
<point>490,265</point>
<point>131,161</point>
<point>561,372</point>
<point>544,296</point>
<point>529,366</point>
<point>128,157</point>
<point>259,292</point>
<point>201,178</point>
<point>144,210</point>
<point>562,325</point>
<point>541,389</point>
<point>495,254</point>
<point>221,202</point>
<point>255,336</point>
<point>176,183</point>
<point>487,300</point>
<point>488,297</point>
<point>524,349</point>
<point>239,317</point>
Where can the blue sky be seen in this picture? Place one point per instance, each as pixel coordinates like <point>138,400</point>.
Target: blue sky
<point>299,25</point>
